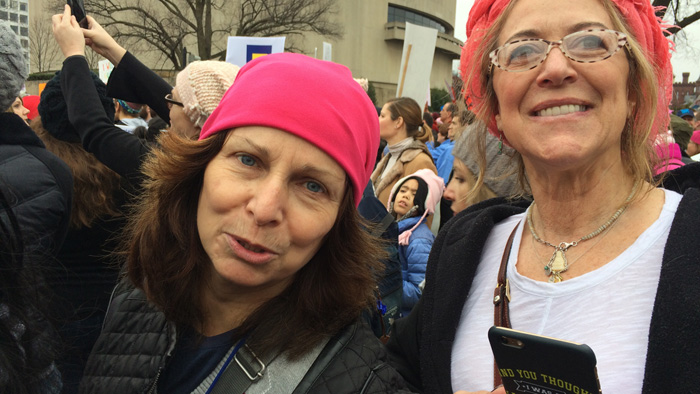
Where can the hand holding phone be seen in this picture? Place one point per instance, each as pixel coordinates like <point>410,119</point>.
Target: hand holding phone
<point>530,363</point>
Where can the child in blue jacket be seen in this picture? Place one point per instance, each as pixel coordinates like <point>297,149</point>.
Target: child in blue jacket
<point>411,200</point>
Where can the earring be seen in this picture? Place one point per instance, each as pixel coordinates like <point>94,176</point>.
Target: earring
<point>500,143</point>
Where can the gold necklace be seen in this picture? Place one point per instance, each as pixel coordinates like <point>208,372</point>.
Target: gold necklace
<point>557,263</point>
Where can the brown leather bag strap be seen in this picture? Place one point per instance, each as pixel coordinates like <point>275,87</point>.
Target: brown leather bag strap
<point>501,298</point>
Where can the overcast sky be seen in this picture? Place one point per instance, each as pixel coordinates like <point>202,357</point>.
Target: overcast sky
<point>686,58</point>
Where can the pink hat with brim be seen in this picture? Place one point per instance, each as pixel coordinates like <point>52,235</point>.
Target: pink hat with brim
<point>312,99</point>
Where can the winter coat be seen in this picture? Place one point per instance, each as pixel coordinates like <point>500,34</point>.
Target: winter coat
<point>414,259</point>
<point>38,185</point>
<point>122,152</point>
<point>412,159</point>
<point>137,340</point>
<point>445,160</point>
<point>421,346</point>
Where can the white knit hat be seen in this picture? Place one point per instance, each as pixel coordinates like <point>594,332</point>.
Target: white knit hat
<point>201,85</point>
<point>436,186</point>
<point>13,70</point>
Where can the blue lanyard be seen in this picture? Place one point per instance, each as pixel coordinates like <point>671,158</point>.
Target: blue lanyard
<point>228,361</point>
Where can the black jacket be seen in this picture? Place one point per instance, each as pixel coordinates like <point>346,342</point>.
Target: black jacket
<point>120,151</point>
<point>38,185</point>
<point>421,347</point>
<point>136,342</point>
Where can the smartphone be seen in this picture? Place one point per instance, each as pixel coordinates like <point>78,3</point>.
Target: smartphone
<point>530,363</point>
<point>77,8</point>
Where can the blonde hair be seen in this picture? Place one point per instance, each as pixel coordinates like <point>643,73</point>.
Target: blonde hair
<point>636,141</point>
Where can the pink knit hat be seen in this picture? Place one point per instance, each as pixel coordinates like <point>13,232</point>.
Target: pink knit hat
<point>201,85</point>
<point>646,27</point>
<point>436,186</point>
<point>313,99</point>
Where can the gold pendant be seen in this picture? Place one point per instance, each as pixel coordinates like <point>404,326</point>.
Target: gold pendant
<point>558,262</point>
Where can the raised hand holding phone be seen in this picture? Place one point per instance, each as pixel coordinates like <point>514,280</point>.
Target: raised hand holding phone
<point>78,10</point>
<point>68,33</point>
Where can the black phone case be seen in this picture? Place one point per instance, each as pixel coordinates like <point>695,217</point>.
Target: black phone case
<point>77,8</point>
<point>530,363</point>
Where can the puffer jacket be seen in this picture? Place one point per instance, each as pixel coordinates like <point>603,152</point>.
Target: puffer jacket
<point>38,185</point>
<point>136,342</point>
<point>414,259</point>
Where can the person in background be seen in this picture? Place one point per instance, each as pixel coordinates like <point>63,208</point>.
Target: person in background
<point>127,115</point>
<point>499,179</point>
<point>19,109</point>
<point>413,198</point>
<point>83,276</point>
<point>580,90</point>
<point>247,243</point>
<point>38,184</point>
<point>35,202</point>
<point>201,83</point>
<point>401,125</point>
<point>694,146</point>
<point>682,131</point>
<point>688,115</point>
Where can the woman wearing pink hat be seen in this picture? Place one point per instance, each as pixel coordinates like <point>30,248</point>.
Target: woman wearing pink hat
<point>246,266</point>
<point>596,250</point>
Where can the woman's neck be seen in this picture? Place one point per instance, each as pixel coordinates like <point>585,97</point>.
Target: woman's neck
<point>400,146</point>
<point>570,206</point>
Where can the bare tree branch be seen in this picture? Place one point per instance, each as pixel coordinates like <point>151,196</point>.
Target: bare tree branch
<point>42,47</point>
<point>167,26</point>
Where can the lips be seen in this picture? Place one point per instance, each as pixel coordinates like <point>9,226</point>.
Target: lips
<point>249,252</point>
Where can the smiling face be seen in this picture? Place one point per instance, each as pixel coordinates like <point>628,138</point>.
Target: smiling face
<point>267,202</point>
<point>562,114</point>
<point>405,196</point>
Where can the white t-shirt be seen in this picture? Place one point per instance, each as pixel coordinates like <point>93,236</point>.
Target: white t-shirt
<point>609,309</point>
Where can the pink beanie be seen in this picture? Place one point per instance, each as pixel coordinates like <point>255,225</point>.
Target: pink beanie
<point>646,27</point>
<point>436,186</point>
<point>313,99</point>
<point>201,85</point>
<point>695,137</point>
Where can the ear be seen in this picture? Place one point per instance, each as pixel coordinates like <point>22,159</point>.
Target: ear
<point>399,122</point>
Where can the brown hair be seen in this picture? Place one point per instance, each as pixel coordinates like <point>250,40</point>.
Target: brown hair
<point>94,184</point>
<point>637,148</point>
<point>410,111</point>
<point>165,257</point>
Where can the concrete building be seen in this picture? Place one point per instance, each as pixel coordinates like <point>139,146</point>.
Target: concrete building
<point>16,12</point>
<point>372,42</point>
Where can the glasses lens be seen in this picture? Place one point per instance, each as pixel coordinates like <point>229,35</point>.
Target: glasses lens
<point>521,55</point>
<point>591,46</point>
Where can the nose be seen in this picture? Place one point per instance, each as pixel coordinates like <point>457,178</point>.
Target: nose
<point>449,194</point>
<point>556,69</point>
<point>268,201</point>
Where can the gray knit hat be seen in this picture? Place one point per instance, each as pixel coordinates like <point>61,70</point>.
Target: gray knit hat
<point>13,70</point>
<point>496,165</point>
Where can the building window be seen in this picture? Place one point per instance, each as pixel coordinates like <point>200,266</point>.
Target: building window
<point>25,43</point>
<point>13,17</point>
<point>23,19</point>
<point>3,15</point>
<point>24,31</point>
<point>3,3</point>
<point>402,15</point>
<point>23,7</point>
<point>14,29</point>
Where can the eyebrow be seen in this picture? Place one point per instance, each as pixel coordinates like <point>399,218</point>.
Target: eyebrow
<point>307,169</point>
<point>531,33</point>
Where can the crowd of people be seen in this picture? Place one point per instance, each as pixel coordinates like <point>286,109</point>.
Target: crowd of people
<point>172,239</point>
